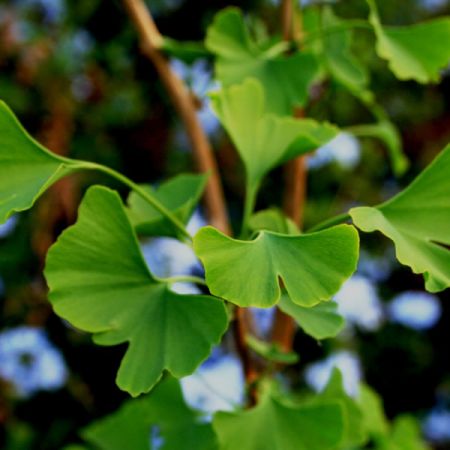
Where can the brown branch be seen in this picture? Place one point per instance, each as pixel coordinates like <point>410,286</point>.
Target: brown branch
<point>151,41</point>
<point>283,329</point>
<point>185,104</point>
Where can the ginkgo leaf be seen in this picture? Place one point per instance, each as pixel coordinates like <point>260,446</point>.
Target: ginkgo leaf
<point>271,351</point>
<point>272,220</point>
<point>27,169</point>
<point>286,79</point>
<point>273,425</point>
<point>264,140</point>
<point>165,409</point>
<point>321,321</point>
<point>416,52</point>
<point>179,195</point>
<point>354,431</point>
<point>334,47</point>
<point>418,221</point>
<point>371,406</point>
<point>100,283</point>
<point>247,273</point>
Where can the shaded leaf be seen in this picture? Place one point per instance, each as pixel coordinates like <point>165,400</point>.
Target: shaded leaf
<point>416,52</point>
<point>273,220</point>
<point>187,51</point>
<point>247,273</point>
<point>179,195</point>
<point>418,221</point>
<point>354,431</point>
<point>371,405</point>
<point>272,425</point>
<point>264,140</point>
<point>100,283</point>
<point>286,80</point>
<point>321,321</point>
<point>164,409</point>
<point>271,351</point>
<point>27,169</point>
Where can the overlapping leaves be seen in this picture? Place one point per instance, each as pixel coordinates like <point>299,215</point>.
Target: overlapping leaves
<point>247,273</point>
<point>418,52</point>
<point>418,221</point>
<point>264,140</point>
<point>286,80</point>
<point>100,283</point>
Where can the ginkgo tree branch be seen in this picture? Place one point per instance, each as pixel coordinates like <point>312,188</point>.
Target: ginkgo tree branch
<point>151,41</point>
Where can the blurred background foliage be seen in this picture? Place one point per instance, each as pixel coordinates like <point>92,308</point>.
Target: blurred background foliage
<point>74,74</point>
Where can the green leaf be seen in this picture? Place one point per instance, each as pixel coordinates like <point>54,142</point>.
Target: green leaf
<point>416,52</point>
<point>321,321</point>
<point>272,425</point>
<point>271,351</point>
<point>187,51</point>
<point>418,221</point>
<point>405,435</point>
<point>286,79</point>
<point>334,48</point>
<point>272,220</point>
<point>354,432</point>
<point>264,140</point>
<point>247,273</point>
<point>100,283</point>
<point>371,405</point>
<point>389,135</point>
<point>27,169</point>
<point>179,195</point>
<point>165,408</point>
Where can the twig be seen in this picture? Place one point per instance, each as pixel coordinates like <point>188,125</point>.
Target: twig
<point>283,329</point>
<point>151,41</point>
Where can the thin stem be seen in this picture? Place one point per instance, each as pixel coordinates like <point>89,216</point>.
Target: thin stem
<point>185,106</point>
<point>336,220</point>
<point>140,191</point>
<point>185,279</point>
<point>249,206</point>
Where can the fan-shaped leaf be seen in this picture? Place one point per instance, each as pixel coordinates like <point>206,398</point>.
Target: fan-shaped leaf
<point>418,221</point>
<point>264,140</point>
<point>179,195</point>
<point>100,283</point>
<point>27,169</point>
<point>321,321</point>
<point>286,80</point>
<point>415,52</point>
<point>312,266</point>
<point>272,425</point>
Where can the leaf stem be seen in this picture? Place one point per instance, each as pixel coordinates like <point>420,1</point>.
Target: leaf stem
<point>336,220</point>
<point>149,198</point>
<point>184,279</point>
<point>249,206</point>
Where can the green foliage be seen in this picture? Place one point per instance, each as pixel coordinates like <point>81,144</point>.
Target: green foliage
<point>179,195</point>
<point>418,221</point>
<point>262,139</point>
<point>321,321</point>
<point>416,52</point>
<point>26,168</point>
<point>100,283</point>
<point>271,352</point>
<point>274,424</point>
<point>238,56</point>
<point>247,273</point>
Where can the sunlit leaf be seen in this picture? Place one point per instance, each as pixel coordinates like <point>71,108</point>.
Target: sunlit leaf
<point>179,195</point>
<point>164,410</point>
<point>371,405</point>
<point>418,221</point>
<point>354,431</point>
<point>321,321</point>
<point>286,80</point>
<point>264,140</point>
<point>27,169</point>
<point>273,425</point>
<point>273,220</point>
<point>416,52</point>
<point>247,273</point>
<point>100,283</point>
